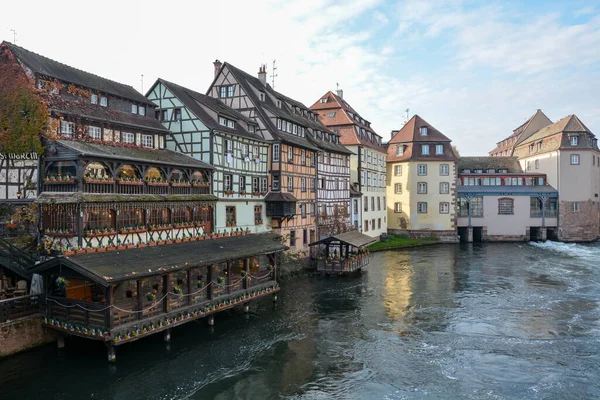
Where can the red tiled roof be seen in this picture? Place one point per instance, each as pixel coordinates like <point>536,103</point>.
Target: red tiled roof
<point>411,132</point>
<point>411,139</point>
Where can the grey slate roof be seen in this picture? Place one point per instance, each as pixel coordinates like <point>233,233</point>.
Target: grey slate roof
<point>511,164</point>
<point>353,238</point>
<point>45,66</point>
<point>114,266</point>
<point>522,190</point>
<point>194,102</point>
<point>154,156</point>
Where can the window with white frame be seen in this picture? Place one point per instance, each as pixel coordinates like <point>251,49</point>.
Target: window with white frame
<point>245,150</point>
<point>531,148</point>
<point>142,110</point>
<point>398,188</point>
<point>574,159</point>
<point>227,182</point>
<point>242,183</point>
<point>424,131</point>
<point>444,208</point>
<point>67,128</point>
<point>539,146</point>
<point>134,109</point>
<point>528,165</point>
<point>425,149</point>
<point>303,184</point>
<point>573,140</point>
<point>103,101</point>
<point>537,164</point>
<point>439,149</point>
<point>575,206</point>
<point>228,146</point>
<point>421,187</point>
<point>255,185</point>
<point>95,132</point>
<point>290,183</point>
<point>290,152</point>
<point>422,169</point>
<point>398,170</point>
<point>127,137</point>
<point>94,99</point>
<point>398,207</point>
<point>506,206</point>
<point>276,152</point>
<point>303,157</point>
<point>444,170</point>
<point>263,185</point>
<point>444,188</point>
<point>148,141</point>
<point>422,207</point>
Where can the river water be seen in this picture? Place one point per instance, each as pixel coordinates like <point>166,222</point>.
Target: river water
<point>487,321</point>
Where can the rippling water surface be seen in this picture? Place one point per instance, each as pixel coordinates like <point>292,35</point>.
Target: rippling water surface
<point>477,322</point>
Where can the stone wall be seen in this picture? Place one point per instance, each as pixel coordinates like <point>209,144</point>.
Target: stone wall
<point>582,226</point>
<point>450,236</point>
<point>23,334</point>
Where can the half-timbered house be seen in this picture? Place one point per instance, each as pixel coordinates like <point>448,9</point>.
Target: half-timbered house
<point>286,125</point>
<point>367,163</point>
<point>208,130</point>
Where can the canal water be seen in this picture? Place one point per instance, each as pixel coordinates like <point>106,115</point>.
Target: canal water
<point>487,321</point>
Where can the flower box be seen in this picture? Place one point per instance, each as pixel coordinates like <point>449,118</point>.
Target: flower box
<point>151,244</point>
<point>121,247</point>
<point>99,181</point>
<point>141,245</point>
<point>243,193</point>
<point>124,231</point>
<point>230,224</point>
<point>157,183</point>
<point>184,226</point>
<point>186,239</point>
<point>55,181</point>
<point>169,241</point>
<point>200,184</point>
<point>255,193</point>
<point>160,228</point>
<point>79,251</point>
<point>130,246</point>
<point>131,183</point>
<point>100,233</point>
<point>181,184</point>
<point>12,225</point>
<point>177,240</point>
<point>100,250</point>
<point>68,252</point>
<point>90,250</point>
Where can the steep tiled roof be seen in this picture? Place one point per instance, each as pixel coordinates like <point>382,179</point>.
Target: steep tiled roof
<point>336,113</point>
<point>525,130</point>
<point>410,138</point>
<point>196,102</point>
<point>411,132</point>
<point>568,124</point>
<point>510,164</point>
<point>45,66</point>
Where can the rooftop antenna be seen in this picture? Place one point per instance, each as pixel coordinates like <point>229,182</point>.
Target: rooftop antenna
<point>273,74</point>
<point>142,83</point>
<point>407,111</point>
<point>14,36</point>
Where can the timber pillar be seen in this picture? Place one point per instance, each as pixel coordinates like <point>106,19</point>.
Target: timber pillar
<point>60,341</point>
<point>211,320</point>
<point>470,234</point>
<point>112,353</point>
<point>167,335</point>
<point>543,234</point>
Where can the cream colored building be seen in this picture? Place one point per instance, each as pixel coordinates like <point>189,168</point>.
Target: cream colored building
<point>421,176</point>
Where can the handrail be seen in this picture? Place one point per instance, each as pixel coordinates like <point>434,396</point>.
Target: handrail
<point>17,259</point>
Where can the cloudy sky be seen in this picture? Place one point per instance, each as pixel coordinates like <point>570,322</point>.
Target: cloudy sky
<point>473,69</point>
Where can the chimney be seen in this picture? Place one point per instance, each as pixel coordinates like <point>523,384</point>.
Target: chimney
<point>340,93</point>
<point>217,65</point>
<point>262,74</point>
<point>394,133</point>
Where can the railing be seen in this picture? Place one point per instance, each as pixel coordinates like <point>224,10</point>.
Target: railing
<point>16,258</point>
<point>538,213</point>
<point>18,307</point>
<point>124,188</point>
<point>344,265</point>
<point>91,315</point>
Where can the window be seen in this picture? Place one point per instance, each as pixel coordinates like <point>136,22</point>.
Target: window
<point>378,223</point>
<point>230,216</point>
<point>95,132</point>
<point>398,170</point>
<point>292,238</point>
<point>529,165</point>
<point>506,206</point>
<point>263,185</point>
<point>444,208</point>
<point>94,99</point>
<point>422,170</point>
<point>373,204</point>
<point>227,182</point>
<point>177,114</point>
<point>303,184</point>
<point>276,182</point>
<point>397,207</point>
<point>539,146</point>
<point>398,188</point>
<point>228,146</point>
<point>226,91</point>
<point>537,164</point>
<point>134,109</point>
<point>303,157</point>
<point>290,183</point>
<point>425,149</point>
<point>378,203</point>
<point>331,114</point>
<point>575,206</point>
<point>312,184</point>
<point>573,140</point>
<point>366,203</point>
<point>290,152</point>
<point>491,181</point>
<point>422,207</point>
<point>574,159</point>
<point>262,96</point>
<point>366,225</point>
<point>164,115</point>
<point>303,210</point>
<point>276,152</point>
<point>142,110</point>
<point>67,128</point>
<point>103,101</point>
<point>258,215</point>
<point>444,188</point>
<point>424,131</point>
<point>439,149</point>
<point>242,183</point>
<point>422,187</point>
<point>312,159</point>
<point>148,141</point>
<point>127,137</point>
<point>531,148</point>
<point>399,150</point>
<point>355,206</point>
<point>323,101</point>
<point>444,170</point>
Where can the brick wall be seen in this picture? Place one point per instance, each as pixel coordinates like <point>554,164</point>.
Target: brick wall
<point>582,226</point>
<point>23,334</point>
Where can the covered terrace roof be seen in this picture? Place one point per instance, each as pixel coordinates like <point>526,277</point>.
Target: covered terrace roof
<point>352,238</point>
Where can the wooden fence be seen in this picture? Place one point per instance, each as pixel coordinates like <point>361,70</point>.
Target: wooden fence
<point>19,307</point>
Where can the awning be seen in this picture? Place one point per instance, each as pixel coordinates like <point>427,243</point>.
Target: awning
<point>115,266</point>
<point>352,238</point>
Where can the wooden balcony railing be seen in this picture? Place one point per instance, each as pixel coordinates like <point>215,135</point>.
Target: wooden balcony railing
<point>343,265</point>
<point>126,188</point>
<point>18,307</point>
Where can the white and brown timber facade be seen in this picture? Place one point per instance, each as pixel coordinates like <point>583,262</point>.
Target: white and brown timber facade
<point>293,133</point>
<point>368,209</point>
<point>208,130</point>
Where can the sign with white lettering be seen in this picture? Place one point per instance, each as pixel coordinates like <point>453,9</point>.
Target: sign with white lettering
<point>15,156</point>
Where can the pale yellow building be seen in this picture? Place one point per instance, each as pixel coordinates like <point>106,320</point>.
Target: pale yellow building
<point>421,176</point>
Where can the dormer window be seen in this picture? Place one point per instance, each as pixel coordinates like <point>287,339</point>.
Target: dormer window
<point>400,150</point>
<point>425,149</point>
<point>94,99</point>
<point>261,95</point>
<point>103,101</point>
<point>424,131</point>
<point>573,140</point>
<point>323,101</point>
<point>134,109</point>
<point>439,149</point>
<point>141,110</point>
<point>466,171</point>
<point>331,114</point>
<point>251,128</point>
<point>278,103</point>
<point>503,171</point>
<point>148,141</point>
<point>531,148</point>
<point>491,170</point>
<point>539,146</point>
<point>128,137</point>
<point>226,122</point>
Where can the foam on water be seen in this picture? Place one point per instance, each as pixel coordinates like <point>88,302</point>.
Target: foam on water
<point>571,249</point>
